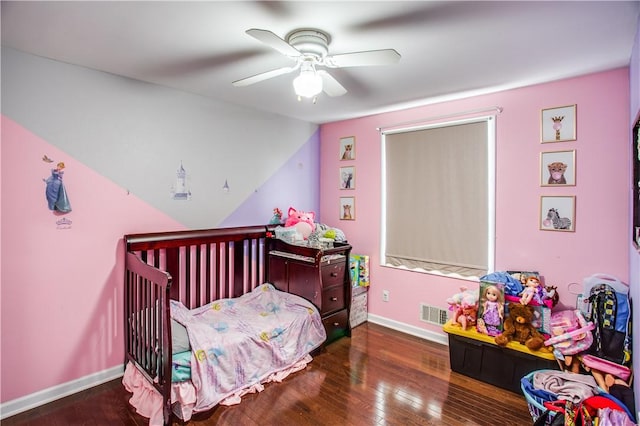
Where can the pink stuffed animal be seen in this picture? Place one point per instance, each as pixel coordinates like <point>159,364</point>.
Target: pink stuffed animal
<point>303,221</point>
<point>464,307</point>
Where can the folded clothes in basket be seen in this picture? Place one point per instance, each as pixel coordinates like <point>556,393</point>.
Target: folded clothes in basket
<point>527,387</point>
<point>568,386</point>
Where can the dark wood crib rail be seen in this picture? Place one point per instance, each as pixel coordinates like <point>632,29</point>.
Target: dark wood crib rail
<point>194,267</point>
<point>226,253</point>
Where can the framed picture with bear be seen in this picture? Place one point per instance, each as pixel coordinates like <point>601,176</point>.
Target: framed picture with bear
<point>558,168</point>
<point>347,208</point>
<point>348,148</point>
<point>558,124</point>
<point>348,177</point>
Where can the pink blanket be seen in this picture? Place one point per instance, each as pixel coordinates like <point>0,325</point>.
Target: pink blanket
<point>237,345</point>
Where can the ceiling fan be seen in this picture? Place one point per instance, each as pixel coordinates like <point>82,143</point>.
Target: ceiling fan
<point>309,49</point>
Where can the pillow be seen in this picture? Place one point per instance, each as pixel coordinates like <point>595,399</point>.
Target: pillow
<point>179,338</point>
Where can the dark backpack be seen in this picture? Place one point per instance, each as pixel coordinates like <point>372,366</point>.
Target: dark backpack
<point>610,312</point>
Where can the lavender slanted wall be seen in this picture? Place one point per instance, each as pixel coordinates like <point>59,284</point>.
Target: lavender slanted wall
<point>294,185</point>
<point>601,238</point>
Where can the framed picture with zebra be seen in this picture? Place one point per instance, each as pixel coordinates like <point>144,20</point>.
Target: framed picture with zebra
<point>558,213</point>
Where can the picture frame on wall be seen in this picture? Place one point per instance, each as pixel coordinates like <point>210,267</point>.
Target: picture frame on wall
<point>558,213</point>
<point>558,168</point>
<point>558,124</point>
<point>348,148</point>
<point>347,208</point>
<point>348,177</point>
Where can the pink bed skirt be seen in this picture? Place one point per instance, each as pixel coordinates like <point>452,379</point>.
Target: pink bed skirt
<point>148,402</point>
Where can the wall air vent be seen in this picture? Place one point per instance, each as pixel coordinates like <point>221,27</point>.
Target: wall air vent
<point>433,314</point>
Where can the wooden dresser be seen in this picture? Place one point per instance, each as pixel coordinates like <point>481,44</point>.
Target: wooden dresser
<point>319,275</point>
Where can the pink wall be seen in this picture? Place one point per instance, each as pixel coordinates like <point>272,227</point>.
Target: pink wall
<point>61,288</point>
<point>600,242</point>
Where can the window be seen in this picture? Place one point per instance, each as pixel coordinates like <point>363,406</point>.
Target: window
<point>439,197</point>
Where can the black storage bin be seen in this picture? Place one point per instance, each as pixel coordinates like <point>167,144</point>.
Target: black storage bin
<point>502,367</point>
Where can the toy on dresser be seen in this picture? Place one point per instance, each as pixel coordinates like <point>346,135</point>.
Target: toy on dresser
<point>464,308</point>
<point>302,221</point>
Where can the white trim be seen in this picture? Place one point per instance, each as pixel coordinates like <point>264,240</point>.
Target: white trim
<point>491,193</point>
<point>383,198</point>
<point>11,408</point>
<point>383,129</point>
<point>409,329</point>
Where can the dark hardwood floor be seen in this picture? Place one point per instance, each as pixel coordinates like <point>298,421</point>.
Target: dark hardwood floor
<point>377,377</point>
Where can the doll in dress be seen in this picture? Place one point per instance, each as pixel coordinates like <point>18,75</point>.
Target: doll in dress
<point>532,290</point>
<point>492,310</point>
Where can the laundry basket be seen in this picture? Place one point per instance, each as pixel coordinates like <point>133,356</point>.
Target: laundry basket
<point>534,402</point>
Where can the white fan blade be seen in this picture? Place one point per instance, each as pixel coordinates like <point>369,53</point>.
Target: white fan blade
<point>359,59</point>
<point>330,85</point>
<point>263,76</point>
<point>273,41</point>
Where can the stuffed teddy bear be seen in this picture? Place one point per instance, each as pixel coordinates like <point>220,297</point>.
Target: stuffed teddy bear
<point>518,327</point>
<point>303,221</point>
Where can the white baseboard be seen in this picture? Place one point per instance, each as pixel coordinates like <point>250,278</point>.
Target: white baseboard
<point>11,408</point>
<point>409,329</point>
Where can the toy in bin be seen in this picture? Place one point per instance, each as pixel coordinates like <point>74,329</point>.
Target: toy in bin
<point>571,333</point>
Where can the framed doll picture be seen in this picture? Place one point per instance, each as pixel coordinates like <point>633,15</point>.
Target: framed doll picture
<point>348,177</point>
<point>348,148</point>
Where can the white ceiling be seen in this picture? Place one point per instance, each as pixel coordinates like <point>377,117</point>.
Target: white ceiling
<point>449,49</point>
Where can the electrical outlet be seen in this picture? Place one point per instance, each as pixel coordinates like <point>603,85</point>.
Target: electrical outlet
<point>385,295</point>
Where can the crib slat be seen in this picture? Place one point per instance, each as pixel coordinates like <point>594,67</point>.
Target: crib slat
<point>197,272</point>
<point>172,259</point>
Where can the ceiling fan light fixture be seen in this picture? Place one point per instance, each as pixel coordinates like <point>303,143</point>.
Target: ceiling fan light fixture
<point>308,84</point>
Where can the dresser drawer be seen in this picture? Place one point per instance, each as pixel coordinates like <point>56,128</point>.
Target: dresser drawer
<point>332,299</point>
<point>333,274</point>
<point>336,325</point>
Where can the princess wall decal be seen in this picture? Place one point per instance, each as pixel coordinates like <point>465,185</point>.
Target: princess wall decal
<point>55,192</point>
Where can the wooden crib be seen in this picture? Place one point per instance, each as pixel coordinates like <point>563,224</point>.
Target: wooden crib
<point>194,267</point>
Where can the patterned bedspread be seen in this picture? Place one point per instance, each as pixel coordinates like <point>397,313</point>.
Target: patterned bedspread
<point>237,343</point>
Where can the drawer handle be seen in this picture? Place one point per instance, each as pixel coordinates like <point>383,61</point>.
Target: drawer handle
<point>334,274</point>
<point>334,299</point>
<point>335,324</point>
